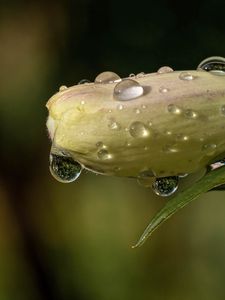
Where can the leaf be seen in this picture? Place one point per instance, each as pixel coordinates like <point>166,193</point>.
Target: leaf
<point>211,180</point>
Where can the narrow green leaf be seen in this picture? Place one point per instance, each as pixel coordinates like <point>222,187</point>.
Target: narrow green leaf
<point>212,179</point>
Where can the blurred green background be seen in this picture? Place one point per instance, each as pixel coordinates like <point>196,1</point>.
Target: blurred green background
<point>60,241</point>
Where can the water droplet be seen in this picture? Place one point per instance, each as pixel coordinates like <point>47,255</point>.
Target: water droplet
<point>100,145</point>
<point>107,77</point>
<point>182,137</point>
<point>82,102</point>
<point>214,64</point>
<point>170,148</point>
<point>116,168</point>
<point>103,154</point>
<point>128,89</point>
<point>164,69</point>
<point>209,149</point>
<point>84,81</point>
<point>223,110</point>
<point>144,106</point>
<point>120,107</point>
<point>163,90</point>
<point>172,108</point>
<point>190,114</point>
<point>168,132</point>
<point>165,186</point>
<point>62,88</point>
<point>114,125</point>
<point>139,129</point>
<point>64,168</point>
<point>137,110</point>
<point>186,76</point>
<point>141,74</point>
<point>132,75</point>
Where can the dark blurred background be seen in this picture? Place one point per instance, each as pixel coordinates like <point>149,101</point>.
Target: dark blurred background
<point>59,241</point>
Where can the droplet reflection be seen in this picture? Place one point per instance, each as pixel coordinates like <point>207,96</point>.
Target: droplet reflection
<point>164,69</point>
<point>139,129</point>
<point>165,186</point>
<point>214,64</point>
<point>64,168</point>
<point>186,76</point>
<point>107,77</point>
<point>128,89</point>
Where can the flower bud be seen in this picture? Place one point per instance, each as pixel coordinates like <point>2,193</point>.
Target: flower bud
<point>162,123</point>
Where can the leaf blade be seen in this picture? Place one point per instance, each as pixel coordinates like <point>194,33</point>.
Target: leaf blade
<point>212,179</point>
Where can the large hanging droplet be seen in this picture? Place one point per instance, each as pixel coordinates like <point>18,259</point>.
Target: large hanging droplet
<point>64,168</point>
<point>107,77</point>
<point>165,186</point>
<point>128,89</point>
<point>214,64</point>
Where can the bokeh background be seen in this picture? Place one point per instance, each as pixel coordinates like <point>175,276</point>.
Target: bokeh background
<point>73,241</point>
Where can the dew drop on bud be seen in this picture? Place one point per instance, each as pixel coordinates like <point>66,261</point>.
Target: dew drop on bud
<point>62,88</point>
<point>120,107</point>
<point>163,89</point>
<point>164,69</point>
<point>83,81</point>
<point>103,154</point>
<point>172,108</point>
<point>165,186</point>
<point>139,130</point>
<point>190,114</point>
<point>141,74</point>
<point>114,125</point>
<point>186,76</point>
<point>128,89</point>
<point>64,168</point>
<point>132,75</point>
<point>107,77</point>
<point>214,65</point>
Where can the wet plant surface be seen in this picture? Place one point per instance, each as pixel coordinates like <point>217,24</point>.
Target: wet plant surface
<point>186,145</point>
